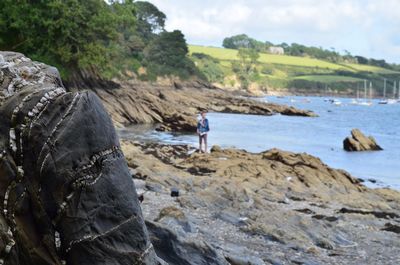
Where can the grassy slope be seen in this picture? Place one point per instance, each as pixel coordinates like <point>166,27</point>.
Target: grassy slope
<point>370,68</point>
<point>329,78</point>
<point>283,70</point>
<point>231,54</point>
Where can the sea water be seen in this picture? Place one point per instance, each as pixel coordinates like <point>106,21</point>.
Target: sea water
<point>321,136</point>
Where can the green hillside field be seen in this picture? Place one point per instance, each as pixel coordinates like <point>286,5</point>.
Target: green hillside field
<point>329,78</point>
<point>283,71</point>
<point>231,54</point>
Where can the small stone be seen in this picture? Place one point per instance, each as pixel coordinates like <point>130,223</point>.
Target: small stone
<point>174,192</point>
<point>155,187</point>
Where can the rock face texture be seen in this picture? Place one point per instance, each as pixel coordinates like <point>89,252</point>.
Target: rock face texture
<point>273,207</point>
<point>359,142</point>
<point>66,194</point>
<point>176,108</point>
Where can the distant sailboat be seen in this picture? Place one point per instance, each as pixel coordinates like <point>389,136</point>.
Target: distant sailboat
<point>384,100</point>
<point>365,103</point>
<point>393,100</point>
<point>370,92</point>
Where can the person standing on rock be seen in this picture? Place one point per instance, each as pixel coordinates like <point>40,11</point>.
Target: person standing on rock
<point>202,130</point>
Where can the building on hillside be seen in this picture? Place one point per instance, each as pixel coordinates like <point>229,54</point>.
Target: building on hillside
<point>276,50</point>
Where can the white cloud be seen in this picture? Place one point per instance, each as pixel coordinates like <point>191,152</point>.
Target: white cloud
<point>365,27</point>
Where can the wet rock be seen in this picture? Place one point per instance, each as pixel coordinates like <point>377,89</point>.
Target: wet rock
<point>176,220</point>
<point>305,210</point>
<point>392,228</point>
<point>139,184</point>
<point>155,187</point>
<point>243,260</point>
<point>359,142</point>
<point>300,261</point>
<point>378,214</point>
<point>324,243</point>
<point>182,251</point>
<point>231,218</point>
<point>67,193</point>
<point>327,218</point>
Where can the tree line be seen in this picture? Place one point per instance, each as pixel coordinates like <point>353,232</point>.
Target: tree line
<point>295,49</point>
<point>95,37</point>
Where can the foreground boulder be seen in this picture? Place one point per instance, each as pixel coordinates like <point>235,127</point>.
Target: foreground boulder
<point>66,193</point>
<point>359,142</point>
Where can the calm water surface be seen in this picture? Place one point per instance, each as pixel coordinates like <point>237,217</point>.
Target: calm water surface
<point>321,137</point>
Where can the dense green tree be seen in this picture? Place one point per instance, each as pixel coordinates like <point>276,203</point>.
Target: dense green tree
<point>379,63</point>
<point>244,41</point>
<point>150,20</point>
<point>167,55</point>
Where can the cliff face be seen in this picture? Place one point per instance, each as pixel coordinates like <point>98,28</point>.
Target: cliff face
<point>66,193</point>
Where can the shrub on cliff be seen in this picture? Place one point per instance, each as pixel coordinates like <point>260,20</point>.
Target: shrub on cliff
<point>210,67</point>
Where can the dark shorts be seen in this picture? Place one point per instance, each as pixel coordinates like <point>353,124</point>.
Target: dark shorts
<point>204,136</point>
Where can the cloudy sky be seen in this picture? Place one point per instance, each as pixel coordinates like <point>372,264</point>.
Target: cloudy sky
<point>364,27</point>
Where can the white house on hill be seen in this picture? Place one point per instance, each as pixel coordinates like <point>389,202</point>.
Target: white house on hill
<point>276,50</point>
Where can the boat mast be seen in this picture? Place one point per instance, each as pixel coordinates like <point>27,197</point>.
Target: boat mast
<point>399,90</point>
<point>358,91</point>
<point>365,89</point>
<point>394,89</point>
<point>384,88</point>
<point>370,91</point>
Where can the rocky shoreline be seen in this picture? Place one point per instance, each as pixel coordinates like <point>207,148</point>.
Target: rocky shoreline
<point>175,105</point>
<point>236,207</point>
<point>69,196</point>
<point>274,207</point>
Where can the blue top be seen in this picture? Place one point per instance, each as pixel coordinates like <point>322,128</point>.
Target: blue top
<point>202,126</point>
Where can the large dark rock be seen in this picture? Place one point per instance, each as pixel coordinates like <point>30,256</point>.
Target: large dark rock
<point>359,142</point>
<point>66,193</point>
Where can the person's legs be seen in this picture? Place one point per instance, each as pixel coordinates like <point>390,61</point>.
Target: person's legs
<point>200,143</point>
<point>205,143</point>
